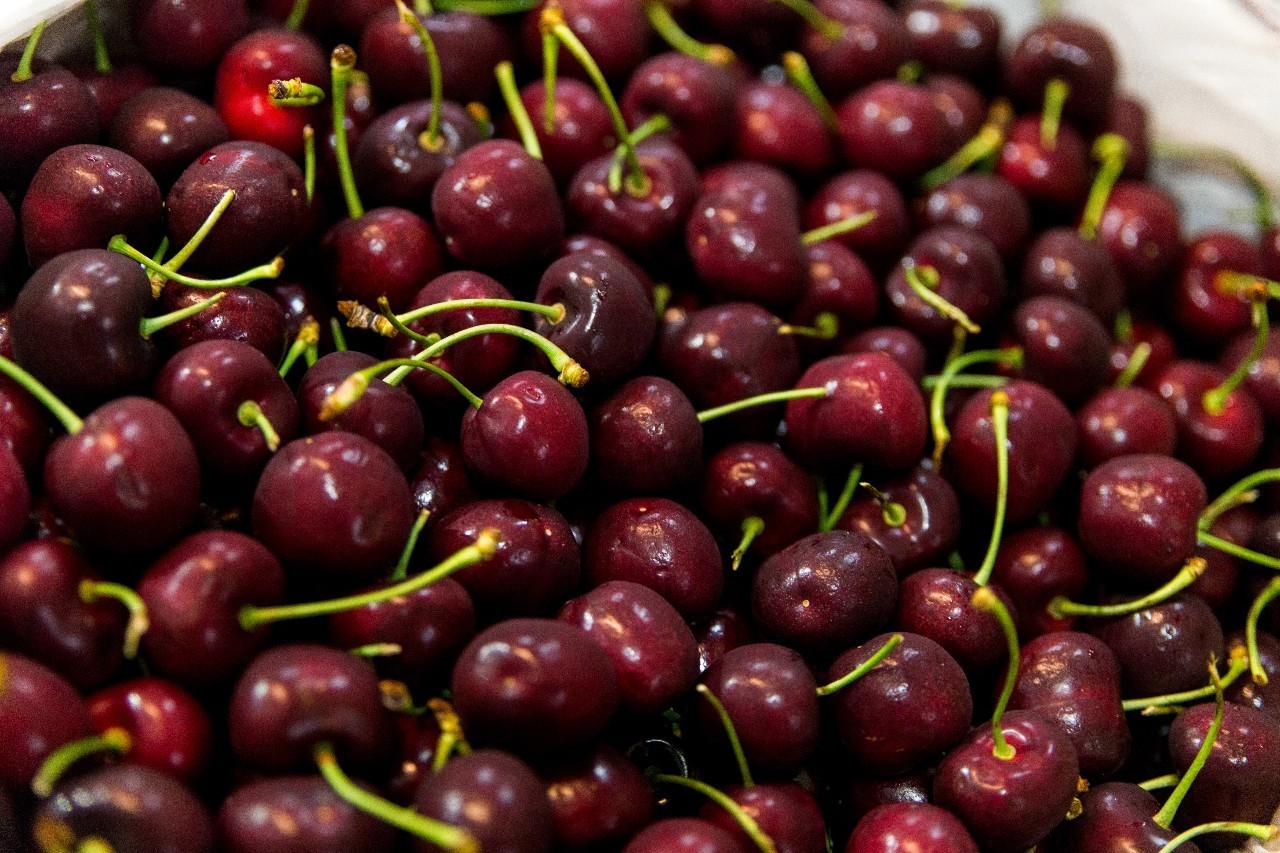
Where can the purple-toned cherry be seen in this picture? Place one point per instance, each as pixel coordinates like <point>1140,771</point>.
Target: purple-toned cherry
<point>41,712</point>
<point>984,203</point>
<point>902,346</point>
<point>1061,262</point>
<point>1071,51</point>
<point>696,96</point>
<point>682,835</point>
<point>920,827</point>
<point>893,127</point>
<point>956,264</point>
<point>491,796</point>
<point>167,728</point>
<point>165,129</point>
<point>1263,378</point>
<point>1123,422</point>
<point>646,439</point>
<point>1054,178</point>
<point>296,814</point>
<point>187,38</point>
<point>1182,633</point>
<point>862,192</point>
<point>244,314</point>
<point>598,797</point>
<point>785,813</point>
<point>914,518</point>
<point>1141,229</point>
<point>962,40</point>
<point>1035,566</point>
<point>869,42</point>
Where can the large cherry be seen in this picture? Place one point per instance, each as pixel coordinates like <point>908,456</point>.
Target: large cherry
<point>394,167</point>
<point>1216,441</point>
<point>873,42</point>
<point>296,814</point>
<point>695,96</point>
<point>862,191</point>
<point>186,38</point>
<point>985,203</point>
<point>938,604</point>
<point>387,251</point>
<point>1064,346</point>
<point>244,314</point>
<point>751,479</point>
<point>166,129</point>
<point>1061,262</point>
<point>1034,566</point>
<point>492,795</point>
<point>1182,633</point>
<point>893,127</point>
<point>41,114</point>
<point>969,275</point>
<point>646,439</point>
<point>1122,422</point>
<point>469,45</point>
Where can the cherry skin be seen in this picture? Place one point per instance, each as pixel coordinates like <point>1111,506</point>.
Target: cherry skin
<point>970,276</point>
<point>784,811</point>
<point>394,167</point>
<point>646,439</point>
<point>530,435</point>
<point>165,129</point>
<point>725,629</point>
<point>938,604</point>
<point>872,45</point>
<point>1202,310</point>
<point>295,814</point>
<point>1164,352</point>
<point>1122,422</point>
<point>904,712</point>
<point>1054,180</point>
<point>961,40</point>
<point>882,240</point>
<point>580,132</point>
<point>1071,50</point>
<point>1181,633</point>
<point>597,797</point>
<point>1060,262</point>
<point>1215,444</point>
<point>244,314</point>
<point>469,46</point>
<point>492,795</point>
<point>752,478</point>
<point>1117,817</point>
<point>246,71</point>
<point>534,686</point>
<point>696,97</point>
<point>41,711</point>
<point>1263,379</point>
<point>1246,691</point>
<point>839,283</point>
<point>187,37</point>
<point>985,203</point>
<point>893,127</point>
<point>777,125</point>
<point>50,110</point>
<point>1064,346</point>
<point>928,530</point>
<point>168,729</point>
<point>682,835</point>
<point>387,251</point>
<point>1035,565</point>
<point>902,346</point>
<point>1140,228</point>
<point>924,827</point>
<point>15,498</point>
<point>439,481</point>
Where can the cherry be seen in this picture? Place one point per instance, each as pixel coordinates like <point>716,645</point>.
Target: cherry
<point>165,130</point>
<point>1053,178</point>
<point>388,251</point>
<point>439,481</point>
<point>984,203</point>
<point>726,628</point>
<point>682,835</point>
<point>112,88</point>
<point>579,130</point>
<point>785,812</point>
<point>41,711</point>
<point>168,729</point>
<point>127,807</point>
<point>893,127</point>
<point>187,38</point>
<point>1247,691</point>
<point>194,593</point>
<point>1034,566</point>
<point>1060,262</point>
<point>535,686</point>
<point>530,435</point>
<point>896,342</point>
<point>391,164</point>
<point>1064,346</point>
<point>245,73</point>
<point>917,826</point>
<point>8,233</point>
<point>597,797</point>
<point>1140,228</point>
<point>646,439</point>
<point>1124,421</point>
<point>1129,119</point>
<point>535,567</point>
<point>244,314</point>
<point>1216,442</point>
<point>871,44</point>
<point>1071,50</point>
<point>1263,379</point>
<point>863,191</point>
<point>41,114</point>
<point>840,284</point>
<point>937,603</point>
<point>1182,633</point>
<point>469,46</point>
<point>1115,816</point>
<point>15,497</point>
<point>915,518</point>
<point>961,40</point>
<point>826,591</point>
<point>1133,334</point>
<point>1202,310</point>
<point>751,479</point>
<point>770,695</point>
<point>969,275</point>
<point>964,108</point>
<point>295,814</point>
<point>697,97</point>
<point>614,33</point>
<point>777,125</point>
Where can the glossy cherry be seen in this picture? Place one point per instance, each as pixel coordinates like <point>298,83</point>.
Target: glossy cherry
<point>873,42</point>
<point>696,97</point>
<point>393,167</point>
<point>168,729</point>
<point>1122,422</point>
<point>1216,443</point>
<point>244,314</point>
<point>1064,346</point>
<point>597,797</point>
<point>49,110</point>
<point>928,529</point>
<point>646,439</point>
<point>970,277</point>
<point>961,40</point>
<point>1054,179</point>
<point>882,240</point>
<point>784,811</point>
<point>985,203</point>
<point>580,131</point>
<point>243,78</point>
<point>938,604</point>
<point>1035,565</point>
<point>682,835</point>
<point>387,251</point>
<point>41,711</point>
<point>188,38</point>
<point>893,127</point>
<point>165,129</point>
<point>749,479</point>
<point>1060,262</point>
<point>777,125</point>
<point>1181,633</point>
<point>902,346</point>
<point>293,814</point>
<point>1202,310</point>
<point>1141,230</point>
<point>925,827</point>
<point>1073,51</point>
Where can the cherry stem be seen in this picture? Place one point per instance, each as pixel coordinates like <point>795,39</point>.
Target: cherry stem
<point>724,801</point>
<point>1055,98</point>
<point>825,327</point>
<point>401,570</point>
<point>1241,492</point>
<point>801,76</point>
<point>350,390</point>
<point>296,15</point>
<point>828,520</point>
<point>974,381</point>
<point>294,93</point>
<point>437,832</point>
<point>309,161</point>
<point>341,63</point>
<point>1011,356</point>
<point>1061,606</point>
<point>637,182</point>
<point>910,71</point>
<point>983,144</point>
<point>1000,430</point>
<point>1240,552</point>
<point>250,414</point>
<point>57,763</point>
<point>924,280</point>
<point>665,25</point>
<point>1124,326</point>
<point>267,270</point>
<point>1168,780</point>
<point>430,139</point>
<point>1137,360</point>
<point>654,124</point>
<point>506,75</point>
<point>1266,832</point>
<point>893,513</point>
<point>827,27</point>
<point>862,668</point>
<point>253,617</point>
<point>376,650</point>
<point>761,400</point>
<point>1111,150</point>
<point>339,339</point>
<point>835,229</point>
<point>1215,399</point>
<point>984,598</point>
<point>1264,208</point>
<point>23,71</point>
<point>306,340</point>
<point>1164,817</point>
<point>1232,281</point>
<point>491,8</point>
<point>139,622</point>
<point>570,372</point>
<point>101,59</point>
<point>1147,705</point>
<point>360,317</point>
<point>735,745</point>
<point>452,739</point>
<point>1265,597</point>
<point>184,254</point>
<point>550,57</point>
<point>70,421</point>
<point>752,526</point>
<point>148,326</point>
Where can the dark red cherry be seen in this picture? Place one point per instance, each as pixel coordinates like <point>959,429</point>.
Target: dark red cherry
<point>752,479</point>
<point>905,711</point>
<point>194,593</point>
<point>872,44</point>
<point>468,45</point>
<point>725,629</point>
<point>882,240</point>
<point>902,346</point>
<point>186,38</point>
<point>938,604</point>
<point>893,127</point>
<point>1202,310</point>
<point>534,568</point>
<point>1181,634</point>
<point>166,129</point>
<point>982,202</point>
<point>1116,817</point>
<point>598,797</point>
<point>1263,379</point>
<point>333,507</point>
<point>8,233</point>
<point>126,807</point>
<point>41,711</point>
<point>51,109</point>
<point>1071,50</point>
<point>1163,352</point>
<point>168,729</point>
<point>82,196</point>
<point>647,640</point>
<point>614,33</point>
<point>387,251</point>
<point>777,125</point>
<point>646,439</point>
<point>696,97</point>
<point>839,283</point>
<point>267,214</point>
<point>970,277</point>
<point>1216,444</point>
<point>494,797</point>
<point>1064,346</point>
<point>244,314</point>
<point>1141,230</point>
<point>394,167</point>
<point>480,205</point>
<point>1062,263</point>
<point>530,435</point>
<point>1130,119</point>
<point>1054,179</point>
<point>786,812</point>
<point>15,497</point>
<point>112,89</point>
<point>962,40</point>
<point>1124,421</point>
<point>928,530</point>
<point>296,814</point>
<point>921,827</point>
<point>772,699</point>
<point>439,480</point>
<point>1035,565</point>
<point>535,686</point>
<point>825,592</point>
<point>580,131</point>
<point>1246,691</point>
<point>245,73</point>
<point>963,107</point>
<point>682,835</point>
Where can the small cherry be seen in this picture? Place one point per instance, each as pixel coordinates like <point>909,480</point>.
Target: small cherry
<point>1123,421</point>
<point>187,39</point>
<point>957,264</point>
<point>893,127</point>
<point>985,203</point>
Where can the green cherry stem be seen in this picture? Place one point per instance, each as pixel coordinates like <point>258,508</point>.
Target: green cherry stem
<point>452,738</point>
<point>1240,492</point>
<point>92,590</point>
<point>23,71</point>
<point>506,76</point>
<point>827,521</point>
<point>350,390</point>
<point>114,740</point>
<point>1215,399</point>
<point>1265,597</point>
<point>309,161</point>
<point>825,327</point>
<point>862,668</point>
<point>983,144</point>
<point>1055,98</point>
<point>267,270</point>
<point>307,338</point>
<point>974,381</point>
<point>69,420</point>
<point>801,76</point>
<point>924,281</point>
<point>673,34</point>
<point>297,14</point>
<point>439,833</point>
<point>1061,606</point>
<point>1000,431</point>
<point>401,570</point>
<point>430,139</point>
<point>150,325</point>
<point>294,93</point>
<point>1137,361</point>
<point>731,732</point>
<point>101,59</point>
<point>985,599</point>
<point>1234,281</point>
<point>376,650</point>
<point>550,58</point>
<point>1111,150</point>
<point>570,372</point>
<point>1240,552</point>
<point>745,820</point>
<point>1266,832</point>
<point>752,526</point>
<point>1011,356</point>
<point>250,414</point>
<point>827,27</point>
<point>1158,783</point>
<point>654,124</point>
<point>1147,704</point>
<point>360,317</point>
<point>341,63</point>
<point>835,229</point>
<point>188,249</point>
<point>893,513</point>
<point>1164,817</point>
<point>339,339</point>
<point>252,617</point>
<point>761,400</point>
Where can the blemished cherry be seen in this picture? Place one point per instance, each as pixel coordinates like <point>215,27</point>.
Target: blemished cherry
<point>246,71</point>
<point>296,814</point>
<point>1141,229</point>
<point>1215,443</point>
<point>928,529</point>
<point>1073,51</point>
<point>1060,262</point>
<point>534,686</point>
<point>985,203</point>
<point>387,251</point>
<point>334,507</point>
<point>921,827</point>
<point>125,807</point>
<point>1181,633</point>
<point>902,346</point>
<point>82,196</point>
<point>646,439</point>
<point>1122,422</point>
<point>769,693</point>
<point>41,711</point>
<point>696,97</point>
<point>786,812</point>
<point>597,797</point>
<point>752,479</point>
<point>777,125</point>
<point>530,435</point>
<point>937,603</point>
<point>168,729</point>
<point>882,240</point>
<point>1035,565</point>
<point>893,127</point>
<point>188,37</point>
<point>962,40</point>
<point>872,44</point>
<point>970,277</point>
<point>49,110</point>
<point>534,568</point>
<point>1054,180</point>
<point>905,711</point>
<point>1064,346</point>
<point>393,167</point>
<point>165,129</point>
<point>682,835</point>
<point>469,46</point>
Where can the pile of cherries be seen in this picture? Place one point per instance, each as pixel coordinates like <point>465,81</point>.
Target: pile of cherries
<point>733,425</point>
